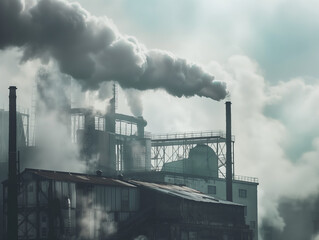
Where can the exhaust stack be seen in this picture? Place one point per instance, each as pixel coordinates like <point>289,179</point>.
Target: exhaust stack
<point>229,171</point>
<point>12,227</point>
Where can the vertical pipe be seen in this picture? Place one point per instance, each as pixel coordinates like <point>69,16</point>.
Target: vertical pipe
<point>12,226</point>
<point>229,175</point>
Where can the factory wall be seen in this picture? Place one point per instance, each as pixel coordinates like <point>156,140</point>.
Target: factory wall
<point>62,209</point>
<point>61,205</point>
<point>181,218</point>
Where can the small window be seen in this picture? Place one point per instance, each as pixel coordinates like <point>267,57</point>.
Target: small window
<point>242,193</point>
<point>44,218</point>
<point>211,189</point>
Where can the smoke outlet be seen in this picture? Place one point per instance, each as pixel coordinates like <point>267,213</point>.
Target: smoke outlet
<point>12,178</point>
<point>229,171</point>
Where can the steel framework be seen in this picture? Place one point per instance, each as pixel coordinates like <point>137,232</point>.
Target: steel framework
<point>174,147</point>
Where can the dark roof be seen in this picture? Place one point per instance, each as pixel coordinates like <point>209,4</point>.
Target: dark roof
<point>183,192</point>
<point>77,177</point>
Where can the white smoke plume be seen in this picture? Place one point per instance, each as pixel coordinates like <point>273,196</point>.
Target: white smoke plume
<point>277,131</point>
<point>56,151</point>
<point>95,222</point>
<point>92,50</point>
<point>134,101</point>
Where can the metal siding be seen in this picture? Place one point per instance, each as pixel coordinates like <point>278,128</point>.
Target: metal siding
<point>132,199</point>
<point>73,195</point>
<point>108,195</point>
<point>31,194</point>
<point>118,199</point>
<point>58,189</point>
<point>123,216</point>
<point>113,194</point>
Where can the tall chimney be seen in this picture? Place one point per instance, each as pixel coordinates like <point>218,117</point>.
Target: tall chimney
<point>229,172</point>
<point>12,226</point>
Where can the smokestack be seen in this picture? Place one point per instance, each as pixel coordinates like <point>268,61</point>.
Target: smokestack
<point>229,172</point>
<point>12,226</point>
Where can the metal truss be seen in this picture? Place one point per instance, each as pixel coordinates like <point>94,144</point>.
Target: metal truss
<point>174,147</point>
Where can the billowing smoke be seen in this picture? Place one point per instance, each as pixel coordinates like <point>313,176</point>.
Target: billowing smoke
<point>92,50</point>
<point>278,141</point>
<point>300,217</point>
<point>56,152</point>
<point>134,101</point>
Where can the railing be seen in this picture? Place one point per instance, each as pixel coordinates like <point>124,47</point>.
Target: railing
<point>246,179</point>
<point>205,134</point>
<point>181,170</point>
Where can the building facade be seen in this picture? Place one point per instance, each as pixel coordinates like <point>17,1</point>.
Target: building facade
<point>62,205</point>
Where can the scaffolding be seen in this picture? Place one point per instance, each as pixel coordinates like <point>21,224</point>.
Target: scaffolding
<point>173,147</point>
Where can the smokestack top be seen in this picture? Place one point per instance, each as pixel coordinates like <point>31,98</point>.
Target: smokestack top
<point>12,91</point>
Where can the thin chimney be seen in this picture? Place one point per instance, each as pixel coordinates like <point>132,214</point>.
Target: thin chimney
<point>229,172</point>
<point>12,226</point>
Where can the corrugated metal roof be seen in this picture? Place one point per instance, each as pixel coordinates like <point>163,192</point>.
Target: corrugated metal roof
<point>78,178</point>
<point>183,192</point>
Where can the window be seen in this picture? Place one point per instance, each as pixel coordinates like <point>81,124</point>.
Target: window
<point>242,193</point>
<point>211,189</point>
<point>44,218</point>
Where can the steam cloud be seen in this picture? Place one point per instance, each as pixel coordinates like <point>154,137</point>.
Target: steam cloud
<point>57,152</point>
<point>134,101</point>
<point>91,50</point>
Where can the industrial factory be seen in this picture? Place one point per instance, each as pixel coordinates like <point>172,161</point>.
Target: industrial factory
<point>135,186</point>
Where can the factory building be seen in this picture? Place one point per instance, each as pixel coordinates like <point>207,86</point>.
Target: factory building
<point>115,143</point>
<point>62,205</point>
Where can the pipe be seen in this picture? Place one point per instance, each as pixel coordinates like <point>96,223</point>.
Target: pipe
<point>229,171</point>
<point>12,216</point>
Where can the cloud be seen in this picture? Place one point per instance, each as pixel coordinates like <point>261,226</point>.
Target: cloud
<point>269,121</point>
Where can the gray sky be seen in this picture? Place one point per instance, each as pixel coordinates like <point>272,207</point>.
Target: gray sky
<point>266,52</point>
